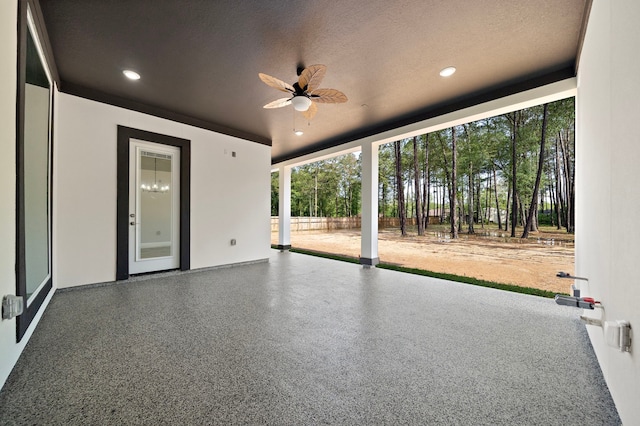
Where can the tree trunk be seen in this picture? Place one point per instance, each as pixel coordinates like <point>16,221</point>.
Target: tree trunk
<point>558,189</point>
<point>460,208</point>
<point>394,193</point>
<point>446,192</point>
<point>384,198</point>
<point>487,200</point>
<point>470,229</point>
<point>436,199</point>
<point>315,192</point>
<point>447,178</point>
<point>426,182</point>
<point>454,186</point>
<point>407,199</point>
<point>533,207</point>
<point>569,184</point>
<point>416,182</point>
<point>506,224</point>
<point>514,158</point>
<point>442,205</point>
<point>551,203</point>
<point>572,211</point>
<point>427,202</point>
<point>522,213</point>
<point>400,188</point>
<point>443,197</point>
<point>495,185</point>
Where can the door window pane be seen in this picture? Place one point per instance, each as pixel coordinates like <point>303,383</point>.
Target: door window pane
<point>155,209</point>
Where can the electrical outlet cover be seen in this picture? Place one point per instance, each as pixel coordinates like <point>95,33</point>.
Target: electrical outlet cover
<point>612,334</point>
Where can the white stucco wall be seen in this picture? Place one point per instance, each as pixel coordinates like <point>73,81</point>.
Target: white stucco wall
<point>607,192</point>
<point>230,197</point>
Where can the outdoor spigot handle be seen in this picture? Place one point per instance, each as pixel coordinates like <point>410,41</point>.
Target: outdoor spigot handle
<point>576,302</point>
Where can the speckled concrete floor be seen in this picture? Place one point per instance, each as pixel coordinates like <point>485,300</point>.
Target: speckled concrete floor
<point>302,340</point>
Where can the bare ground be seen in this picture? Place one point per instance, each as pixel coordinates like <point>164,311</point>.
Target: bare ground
<point>488,254</point>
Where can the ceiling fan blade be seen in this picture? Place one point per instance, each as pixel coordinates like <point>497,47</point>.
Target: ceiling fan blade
<point>311,77</point>
<point>276,83</point>
<point>279,103</point>
<point>308,114</point>
<point>328,96</point>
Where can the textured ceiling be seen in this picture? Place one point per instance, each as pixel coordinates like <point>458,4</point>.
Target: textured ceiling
<point>201,59</point>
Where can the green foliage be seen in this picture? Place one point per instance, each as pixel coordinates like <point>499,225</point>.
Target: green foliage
<point>544,219</point>
<point>386,181</point>
<point>328,188</point>
<point>275,188</point>
<point>332,187</point>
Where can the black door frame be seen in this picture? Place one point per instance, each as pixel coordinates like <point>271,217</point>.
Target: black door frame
<point>24,320</point>
<point>125,134</point>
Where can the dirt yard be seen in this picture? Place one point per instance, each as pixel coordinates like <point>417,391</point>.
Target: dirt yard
<point>488,254</point>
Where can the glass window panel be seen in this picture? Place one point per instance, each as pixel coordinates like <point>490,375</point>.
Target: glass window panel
<point>36,171</point>
<point>156,216</point>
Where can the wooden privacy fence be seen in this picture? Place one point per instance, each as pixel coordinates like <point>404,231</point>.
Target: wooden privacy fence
<point>318,223</point>
<point>328,223</point>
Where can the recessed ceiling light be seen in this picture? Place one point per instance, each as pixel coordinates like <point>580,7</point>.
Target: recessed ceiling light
<point>298,132</point>
<point>131,74</point>
<point>446,72</point>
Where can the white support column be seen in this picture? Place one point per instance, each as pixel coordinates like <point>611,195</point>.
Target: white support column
<point>284,208</point>
<point>369,233</point>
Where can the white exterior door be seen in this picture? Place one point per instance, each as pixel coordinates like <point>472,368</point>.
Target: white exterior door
<point>154,207</point>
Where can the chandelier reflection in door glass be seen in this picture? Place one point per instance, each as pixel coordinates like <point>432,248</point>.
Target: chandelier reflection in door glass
<point>155,205</point>
<point>165,165</point>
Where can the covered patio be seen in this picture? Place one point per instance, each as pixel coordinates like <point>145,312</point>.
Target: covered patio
<point>244,334</point>
<point>305,340</point>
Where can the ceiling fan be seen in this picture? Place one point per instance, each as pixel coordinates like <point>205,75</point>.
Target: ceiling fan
<point>304,93</point>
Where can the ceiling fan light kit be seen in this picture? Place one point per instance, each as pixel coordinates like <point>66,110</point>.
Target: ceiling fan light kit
<point>304,92</point>
<point>301,103</point>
